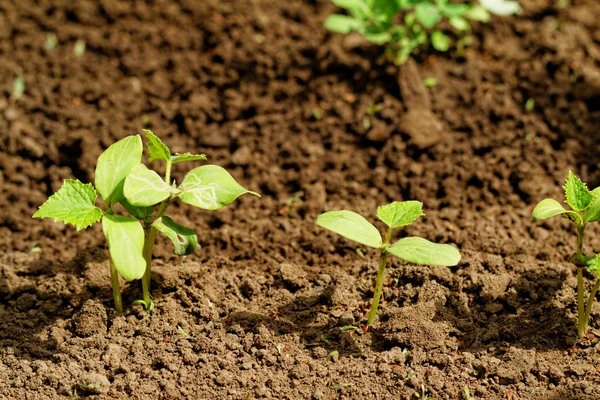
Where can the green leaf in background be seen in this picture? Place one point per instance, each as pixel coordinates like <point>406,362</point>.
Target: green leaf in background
<point>125,237</point>
<point>352,226</point>
<point>358,8</point>
<point>187,157</point>
<point>114,165</point>
<point>387,9</point>
<point>73,203</point>
<point>138,212</point>
<point>428,14</point>
<point>144,187</point>
<point>157,150</point>
<point>577,194</point>
<point>460,24</point>
<point>478,13</point>
<point>440,41</point>
<point>210,187</point>
<point>400,213</point>
<point>376,37</point>
<point>421,251</point>
<point>547,208</point>
<point>184,239</point>
<point>501,7</point>
<point>342,23</point>
<point>592,213</point>
<point>454,10</point>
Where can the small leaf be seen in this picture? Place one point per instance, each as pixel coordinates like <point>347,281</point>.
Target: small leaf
<point>421,251</point>
<point>184,239</point>
<point>460,24</point>
<point>592,213</point>
<point>400,213</point>
<point>210,187</point>
<point>342,23</point>
<point>428,14</point>
<point>454,10</point>
<point>378,38</point>
<point>358,8</point>
<point>478,13</point>
<point>501,7</point>
<point>187,157</point>
<point>440,41</point>
<point>144,187</point>
<point>114,165</point>
<point>157,150</point>
<point>125,237</point>
<point>547,208</point>
<point>140,213</point>
<point>73,203</point>
<point>593,264</point>
<point>577,194</point>
<point>352,226</point>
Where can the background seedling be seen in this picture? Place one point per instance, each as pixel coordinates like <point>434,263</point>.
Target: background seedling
<point>417,250</point>
<point>375,20</point>
<point>121,178</point>
<point>585,208</point>
<point>79,48</point>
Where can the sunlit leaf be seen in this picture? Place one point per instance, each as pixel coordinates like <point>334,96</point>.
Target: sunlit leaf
<point>421,251</point>
<point>184,239</point>
<point>399,213</point>
<point>144,187</point>
<point>577,194</point>
<point>157,150</point>
<point>125,237</point>
<point>352,226</point>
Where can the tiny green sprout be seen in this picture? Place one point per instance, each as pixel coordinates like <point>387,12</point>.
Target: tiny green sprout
<point>79,48</point>
<point>18,87</point>
<point>430,82</point>
<point>121,178</point>
<point>416,250</point>
<point>348,328</point>
<point>333,355</point>
<point>50,42</point>
<point>467,393</point>
<point>181,330</point>
<point>317,114</point>
<point>585,208</point>
<point>529,105</point>
<point>360,253</point>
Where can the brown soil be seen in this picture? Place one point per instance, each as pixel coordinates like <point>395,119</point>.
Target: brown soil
<point>256,313</point>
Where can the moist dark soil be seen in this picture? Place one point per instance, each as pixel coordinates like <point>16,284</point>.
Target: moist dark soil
<point>272,306</point>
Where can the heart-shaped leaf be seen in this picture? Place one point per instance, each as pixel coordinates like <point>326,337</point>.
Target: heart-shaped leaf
<point>352,226</point>
<point>144,187</point>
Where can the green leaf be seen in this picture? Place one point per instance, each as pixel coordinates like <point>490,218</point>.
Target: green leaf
<point>358,8</point>
<point>352,226</point>
<point>125,237</point>
<point>501,7</point>
<point>400,213</point>
<point>478,13</point>
<point>577,194</point>
<point>114,165</point>
<point>144,187</point>
<point>592,213</point>
<point>454,10</point>
<point>157,150</point>
<point>184,239</point>
<point>440,41</point>
<point>593,264</point>
<point>139,212</point>
<point>342,23</point>
<point>460,24</point>
<point>378,38</point>
<point>187,157</point>
<point>420,251</point>
<point>547,208</point>
<point>428,14</point>
<point>210,187</point>
<point>73,203</point>
<point>385,9</point>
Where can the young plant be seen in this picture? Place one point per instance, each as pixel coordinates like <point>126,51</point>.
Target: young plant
<point>585,208</point>
<point>375,20</point>
<point>122,179</point>
<point>416,250</point>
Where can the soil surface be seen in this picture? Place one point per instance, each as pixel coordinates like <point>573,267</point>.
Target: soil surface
<point>268,307</point>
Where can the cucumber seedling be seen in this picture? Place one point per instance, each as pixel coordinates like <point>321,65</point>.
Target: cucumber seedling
<point>416,250</point>
<point>585,208</point>
<point>121,178</point>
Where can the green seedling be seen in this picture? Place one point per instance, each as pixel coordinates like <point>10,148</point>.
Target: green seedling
<point>529,105</point>
<point>430,82</point>
<point>376,21</point>
<point>585,208</point>
<point>50,42</point>
<point>79,48</point>
<point>416,250</point>
<point>467,393</point>
<point>121,178</point>
<point>18,87</point>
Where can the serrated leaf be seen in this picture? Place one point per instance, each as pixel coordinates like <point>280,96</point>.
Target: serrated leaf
<point>144,187</point>
<point>210,187</point>
<point>114,165</point>
<point>592,213</point>
<point>157,150</point>
<point>593,264</point>
<point>428,14</point>
<point>187,157</point>
<point>421,251</point>
<point>184,239</point>
<point>125,237</point>
<point>342,23</point>
<point>400,213</point>
<point>139,212</point>
<point>577,194</point>
<point>73,203</point>
<point>352,226</point>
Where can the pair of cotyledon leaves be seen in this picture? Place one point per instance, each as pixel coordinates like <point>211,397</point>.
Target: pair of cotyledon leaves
<point>417,250</point>
<point>585,208</point>
<point>121,178</point>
